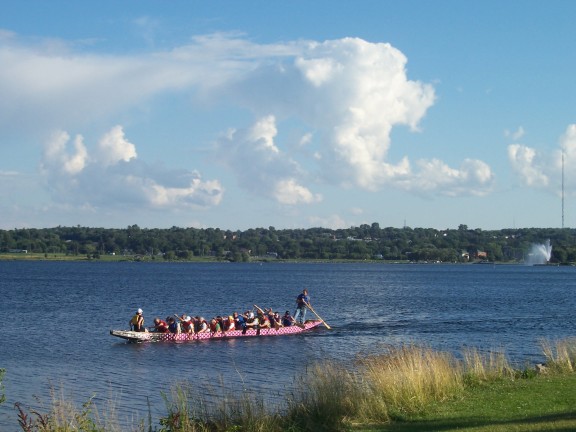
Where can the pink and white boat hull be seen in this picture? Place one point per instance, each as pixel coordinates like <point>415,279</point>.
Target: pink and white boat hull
<point>133,336</point>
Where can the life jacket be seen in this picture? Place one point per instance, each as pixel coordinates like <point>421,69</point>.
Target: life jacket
<point>137,322</point>
<point>161,327</point>
<point>239,322</point>
<point>187,325</point>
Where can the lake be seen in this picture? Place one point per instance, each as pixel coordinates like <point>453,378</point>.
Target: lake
<point>57,317</point>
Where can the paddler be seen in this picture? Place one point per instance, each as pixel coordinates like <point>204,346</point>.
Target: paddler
<point>137,321</point>
<point>186,323</point>
<point>302,302</point>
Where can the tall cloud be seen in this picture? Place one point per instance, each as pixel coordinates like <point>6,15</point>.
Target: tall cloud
<point>350,94</point>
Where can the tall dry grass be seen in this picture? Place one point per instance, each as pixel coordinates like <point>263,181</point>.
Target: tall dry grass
<point>390,386</point>
<point>191,409</point>
<point>325,398</point>
<point>560,355</point>
<point>407,378</point>
<point>484,367</point>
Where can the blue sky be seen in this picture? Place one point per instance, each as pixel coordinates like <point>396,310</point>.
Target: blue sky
<point>293,114</point>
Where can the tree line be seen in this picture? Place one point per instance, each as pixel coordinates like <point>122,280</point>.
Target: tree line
<point>365,242</point>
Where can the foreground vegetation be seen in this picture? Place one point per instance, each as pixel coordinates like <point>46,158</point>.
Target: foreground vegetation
<point>405,388</point>
<point>355,243</point>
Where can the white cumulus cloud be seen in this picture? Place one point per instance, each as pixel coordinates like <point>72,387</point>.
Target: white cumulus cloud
<point>473,177</point>
<point>114,147</point>
<point>543,170</point>
<point>261,167</point>
<point>116,179</point>
<point>350,94</point>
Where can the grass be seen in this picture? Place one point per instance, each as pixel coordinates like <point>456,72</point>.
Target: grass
<point>406,388</point>
<point>544,403</point>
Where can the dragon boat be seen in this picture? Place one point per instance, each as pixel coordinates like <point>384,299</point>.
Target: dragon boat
<point>133,336</point>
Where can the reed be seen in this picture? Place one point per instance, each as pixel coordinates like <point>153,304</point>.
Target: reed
<point>63,416</point>
<point>560,355</point>
<point>480,368</point>
<point>192,409</point>
<point>325,398</point>
<point>407,378</point>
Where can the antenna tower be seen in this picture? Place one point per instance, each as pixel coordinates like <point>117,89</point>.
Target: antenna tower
<point>562,187</point>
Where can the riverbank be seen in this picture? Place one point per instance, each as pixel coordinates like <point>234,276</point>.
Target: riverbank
<point>406,388</point>
<point>203,259</point>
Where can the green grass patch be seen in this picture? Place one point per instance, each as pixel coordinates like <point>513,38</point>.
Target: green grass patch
<point>543,403</point>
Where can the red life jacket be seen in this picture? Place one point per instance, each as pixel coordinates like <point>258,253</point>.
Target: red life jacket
<point>162,327</point>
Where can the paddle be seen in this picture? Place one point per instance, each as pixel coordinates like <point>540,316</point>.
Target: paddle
<point>259,309</point>
<point>314,312</point>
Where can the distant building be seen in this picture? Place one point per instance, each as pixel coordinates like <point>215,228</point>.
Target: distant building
<point>481,255</point>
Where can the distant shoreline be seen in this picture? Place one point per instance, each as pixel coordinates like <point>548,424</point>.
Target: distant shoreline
<point>254,260</point>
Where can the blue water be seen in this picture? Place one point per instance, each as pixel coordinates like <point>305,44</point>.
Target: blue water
<point>56,319</point>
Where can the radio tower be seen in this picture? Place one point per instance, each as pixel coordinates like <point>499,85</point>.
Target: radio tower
<point>562,187</point>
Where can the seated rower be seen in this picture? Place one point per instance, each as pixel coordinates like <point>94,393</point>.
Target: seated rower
<point>263,321</point>
<point>201,325</point>
<point>251,322</point>
<point>186,323</point>
<point>275,321</point>
<point>228,323</point>
<point>270,315</point>
<point>160,326</point>
<point>215,326</point>
<point>173,326</point>
<point>287,319</point>
<point>239,321</point>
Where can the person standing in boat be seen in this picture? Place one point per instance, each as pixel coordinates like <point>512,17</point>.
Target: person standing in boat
<point>137,321</point>
<point>302,301</point>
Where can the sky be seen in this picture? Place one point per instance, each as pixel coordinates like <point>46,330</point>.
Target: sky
<point>288,114</point>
